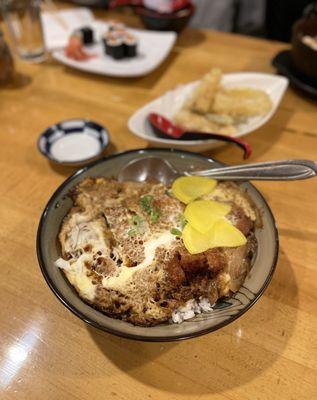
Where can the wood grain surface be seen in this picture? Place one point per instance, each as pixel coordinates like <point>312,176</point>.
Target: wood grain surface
<point>48,353</point>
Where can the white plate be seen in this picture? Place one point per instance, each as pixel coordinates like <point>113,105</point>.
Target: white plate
<point>172,101</point>
<point>153,48</point>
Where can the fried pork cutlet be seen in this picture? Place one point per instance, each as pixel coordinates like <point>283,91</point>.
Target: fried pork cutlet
<point>121,257</point>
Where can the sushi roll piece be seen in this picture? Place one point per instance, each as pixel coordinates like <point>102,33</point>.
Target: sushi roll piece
<point>107,48</point>
<point>87,35</point>
<point>115,25</point>
<point>130,46</point>
<point>119,33</point>
<point>108,36</point>
<point>114,47</point>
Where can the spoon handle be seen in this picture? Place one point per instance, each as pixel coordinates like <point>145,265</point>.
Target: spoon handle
<point>223,138</point>
<point>266,171</point>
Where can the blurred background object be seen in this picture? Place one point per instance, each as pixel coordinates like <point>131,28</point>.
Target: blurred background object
<point>6,62</point>
<point>161,15</point>
<point>243,16</point>
<point>175,21</point>
<point>91,3</point>
<point>272,19</point>
<point>24,24</point>
<point>299,63</point>
<point>266,18</point>
<point>304,44</point>
<point>281,15</point>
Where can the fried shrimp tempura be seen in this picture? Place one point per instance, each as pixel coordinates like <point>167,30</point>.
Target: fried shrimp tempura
<point>191,121</point>
<point>203,96</point>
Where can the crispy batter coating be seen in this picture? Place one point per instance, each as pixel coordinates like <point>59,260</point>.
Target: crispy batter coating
<point>213,108</point>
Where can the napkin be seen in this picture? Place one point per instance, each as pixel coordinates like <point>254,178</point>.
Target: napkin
<point>58,25</point>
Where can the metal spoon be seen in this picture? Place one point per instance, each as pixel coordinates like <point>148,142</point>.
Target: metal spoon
<point>149,169</point>
<point>154,168</point>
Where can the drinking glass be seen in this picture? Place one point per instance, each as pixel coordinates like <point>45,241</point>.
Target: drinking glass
<point>23,18</point>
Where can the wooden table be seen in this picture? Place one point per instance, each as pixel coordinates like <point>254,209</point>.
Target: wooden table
<point>48,353</point>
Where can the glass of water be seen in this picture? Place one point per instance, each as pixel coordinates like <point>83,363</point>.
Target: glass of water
<point>23,18</point>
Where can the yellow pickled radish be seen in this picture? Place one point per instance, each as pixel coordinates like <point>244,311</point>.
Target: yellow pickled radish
<point>202,214</point>
<point>189,188</point>
<point>194,241</point>
<point>224,234</point>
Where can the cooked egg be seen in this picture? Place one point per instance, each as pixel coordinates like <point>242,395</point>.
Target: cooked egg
<point>122,279</point>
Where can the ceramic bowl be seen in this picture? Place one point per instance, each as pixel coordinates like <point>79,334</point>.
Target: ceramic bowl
<point>283,62</point>
<point>225,312</point>
<point>304,57</point>
<point>176,21</point>
<point>96,134</point>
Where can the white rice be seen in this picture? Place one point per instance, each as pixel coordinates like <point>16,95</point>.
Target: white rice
<point>190,309</point>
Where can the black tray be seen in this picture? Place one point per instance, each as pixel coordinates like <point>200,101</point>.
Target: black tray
<point>284,64</point>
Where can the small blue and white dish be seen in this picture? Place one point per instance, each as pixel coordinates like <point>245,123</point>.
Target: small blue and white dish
<point>74,142</point>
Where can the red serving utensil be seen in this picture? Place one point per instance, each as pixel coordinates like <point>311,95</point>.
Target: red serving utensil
<point>175,5</point>
<point>163,127</point>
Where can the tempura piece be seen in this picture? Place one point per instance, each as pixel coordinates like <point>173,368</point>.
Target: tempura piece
<point>203,96</point>
<point>213,108</point>
<point>191,121</point>
<point>241,102</point>
<point>220,119</point>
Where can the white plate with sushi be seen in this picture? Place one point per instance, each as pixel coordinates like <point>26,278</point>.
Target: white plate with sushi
<point>152,49</point>
<point>253,93</point>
